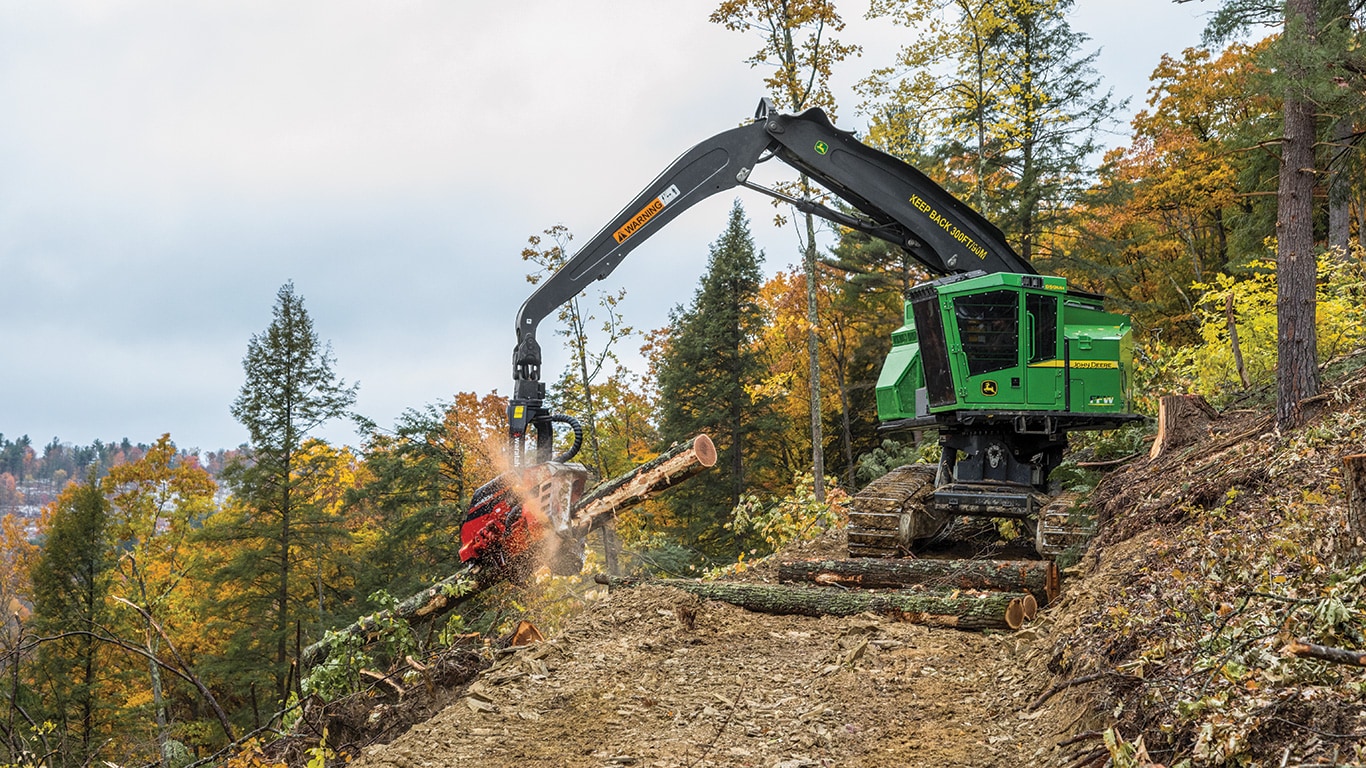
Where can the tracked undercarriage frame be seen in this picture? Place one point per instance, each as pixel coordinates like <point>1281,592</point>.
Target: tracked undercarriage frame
<point>995,465</point>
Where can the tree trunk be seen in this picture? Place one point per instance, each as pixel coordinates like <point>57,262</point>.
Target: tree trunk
<point>958,610</point>
<point>1340,188</point>
<point>1182,420</point>
<point>1037,577</point>
<point>1233,341</point>
<point>1297,373</point>
<point>813,353</point>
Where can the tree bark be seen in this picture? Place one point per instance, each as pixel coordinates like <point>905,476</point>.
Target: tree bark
<point>1297,372</point>
<point>1182,420</point>
<point>958,610</point>
<point>1037,577</point>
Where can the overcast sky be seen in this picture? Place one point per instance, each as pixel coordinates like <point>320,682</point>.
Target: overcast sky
<point>166,166</point>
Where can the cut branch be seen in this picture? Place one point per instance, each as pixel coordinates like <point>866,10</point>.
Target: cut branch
<point>1307,650</point>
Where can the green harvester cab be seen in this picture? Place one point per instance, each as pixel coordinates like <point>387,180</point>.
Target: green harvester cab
<point>1009,343</point>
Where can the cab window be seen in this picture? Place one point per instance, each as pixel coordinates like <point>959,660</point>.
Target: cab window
<point>989,330</point>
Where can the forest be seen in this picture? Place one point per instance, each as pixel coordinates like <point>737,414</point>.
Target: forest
<point>159,614</point>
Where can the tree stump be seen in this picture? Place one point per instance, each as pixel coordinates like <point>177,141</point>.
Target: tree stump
<point>1182,420</point>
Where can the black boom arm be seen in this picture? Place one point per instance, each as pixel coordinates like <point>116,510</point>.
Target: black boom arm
<point>897,203</point>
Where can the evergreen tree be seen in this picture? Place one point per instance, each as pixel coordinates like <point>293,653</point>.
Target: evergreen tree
<point>290,390</point>
<point>708,362</point>
<point>1014,103</point>
<point>70,582</point>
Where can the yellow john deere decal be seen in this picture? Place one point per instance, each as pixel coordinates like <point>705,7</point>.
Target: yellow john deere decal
<point>1077,364</point>
<point>648,212</point>
<point>989,388</point>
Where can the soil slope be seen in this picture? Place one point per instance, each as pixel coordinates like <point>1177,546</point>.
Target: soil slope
<point>653,677</point>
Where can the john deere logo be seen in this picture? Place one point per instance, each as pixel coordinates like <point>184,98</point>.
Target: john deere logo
<point>989,388</point>
<point>822,147</point>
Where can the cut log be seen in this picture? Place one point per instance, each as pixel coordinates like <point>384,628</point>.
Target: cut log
<point>1037,577</point>
<point>1354,481</point>
<point>1309,650</point>
<point>675,465</point>
<point>958,610</point>
<point>1182,420</point>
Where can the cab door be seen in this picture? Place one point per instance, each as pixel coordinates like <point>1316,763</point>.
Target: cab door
<point>1043,375</point>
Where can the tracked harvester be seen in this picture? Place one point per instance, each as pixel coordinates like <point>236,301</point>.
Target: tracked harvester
<point>1001,361</point>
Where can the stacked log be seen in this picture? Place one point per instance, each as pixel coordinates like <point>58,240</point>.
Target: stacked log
<point>957,609</point>
<point>1036,577</point>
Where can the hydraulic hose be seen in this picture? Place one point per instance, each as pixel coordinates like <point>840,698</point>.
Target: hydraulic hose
<point>578,435</point>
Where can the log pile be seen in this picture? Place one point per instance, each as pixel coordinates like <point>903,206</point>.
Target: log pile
<point>962,594</point>
<point>1037,577</point>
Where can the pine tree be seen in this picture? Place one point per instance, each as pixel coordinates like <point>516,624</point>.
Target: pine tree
<point>290,390</point>
<point>1015,105</point>
<point>70,582</point>
<point>708,361</point>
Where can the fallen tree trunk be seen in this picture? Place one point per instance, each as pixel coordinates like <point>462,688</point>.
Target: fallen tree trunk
<point>679,463</point>
<point>1037,577</point>
<point>675,465</point>
<point>959,610</point>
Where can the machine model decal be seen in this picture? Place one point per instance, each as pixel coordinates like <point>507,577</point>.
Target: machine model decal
<point>943,223</point>
<point>1077,364</point>
<point>989,388</point>
<point>1102,400</point>
<point>648,212</point>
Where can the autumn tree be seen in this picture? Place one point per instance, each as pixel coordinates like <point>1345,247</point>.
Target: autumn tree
<point>708,365</point>
<point>799,43</point>
<point>1187,198</point>
<point>155,503</point>
<point>290,390</point>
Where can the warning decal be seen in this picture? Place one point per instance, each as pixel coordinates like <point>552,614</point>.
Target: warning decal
<point>648,212</point>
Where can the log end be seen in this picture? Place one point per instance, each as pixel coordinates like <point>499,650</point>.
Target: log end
<point>705,450</point>
<point>1030,606</point>
<point>1015,613</point>
<point>1052,583</point>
